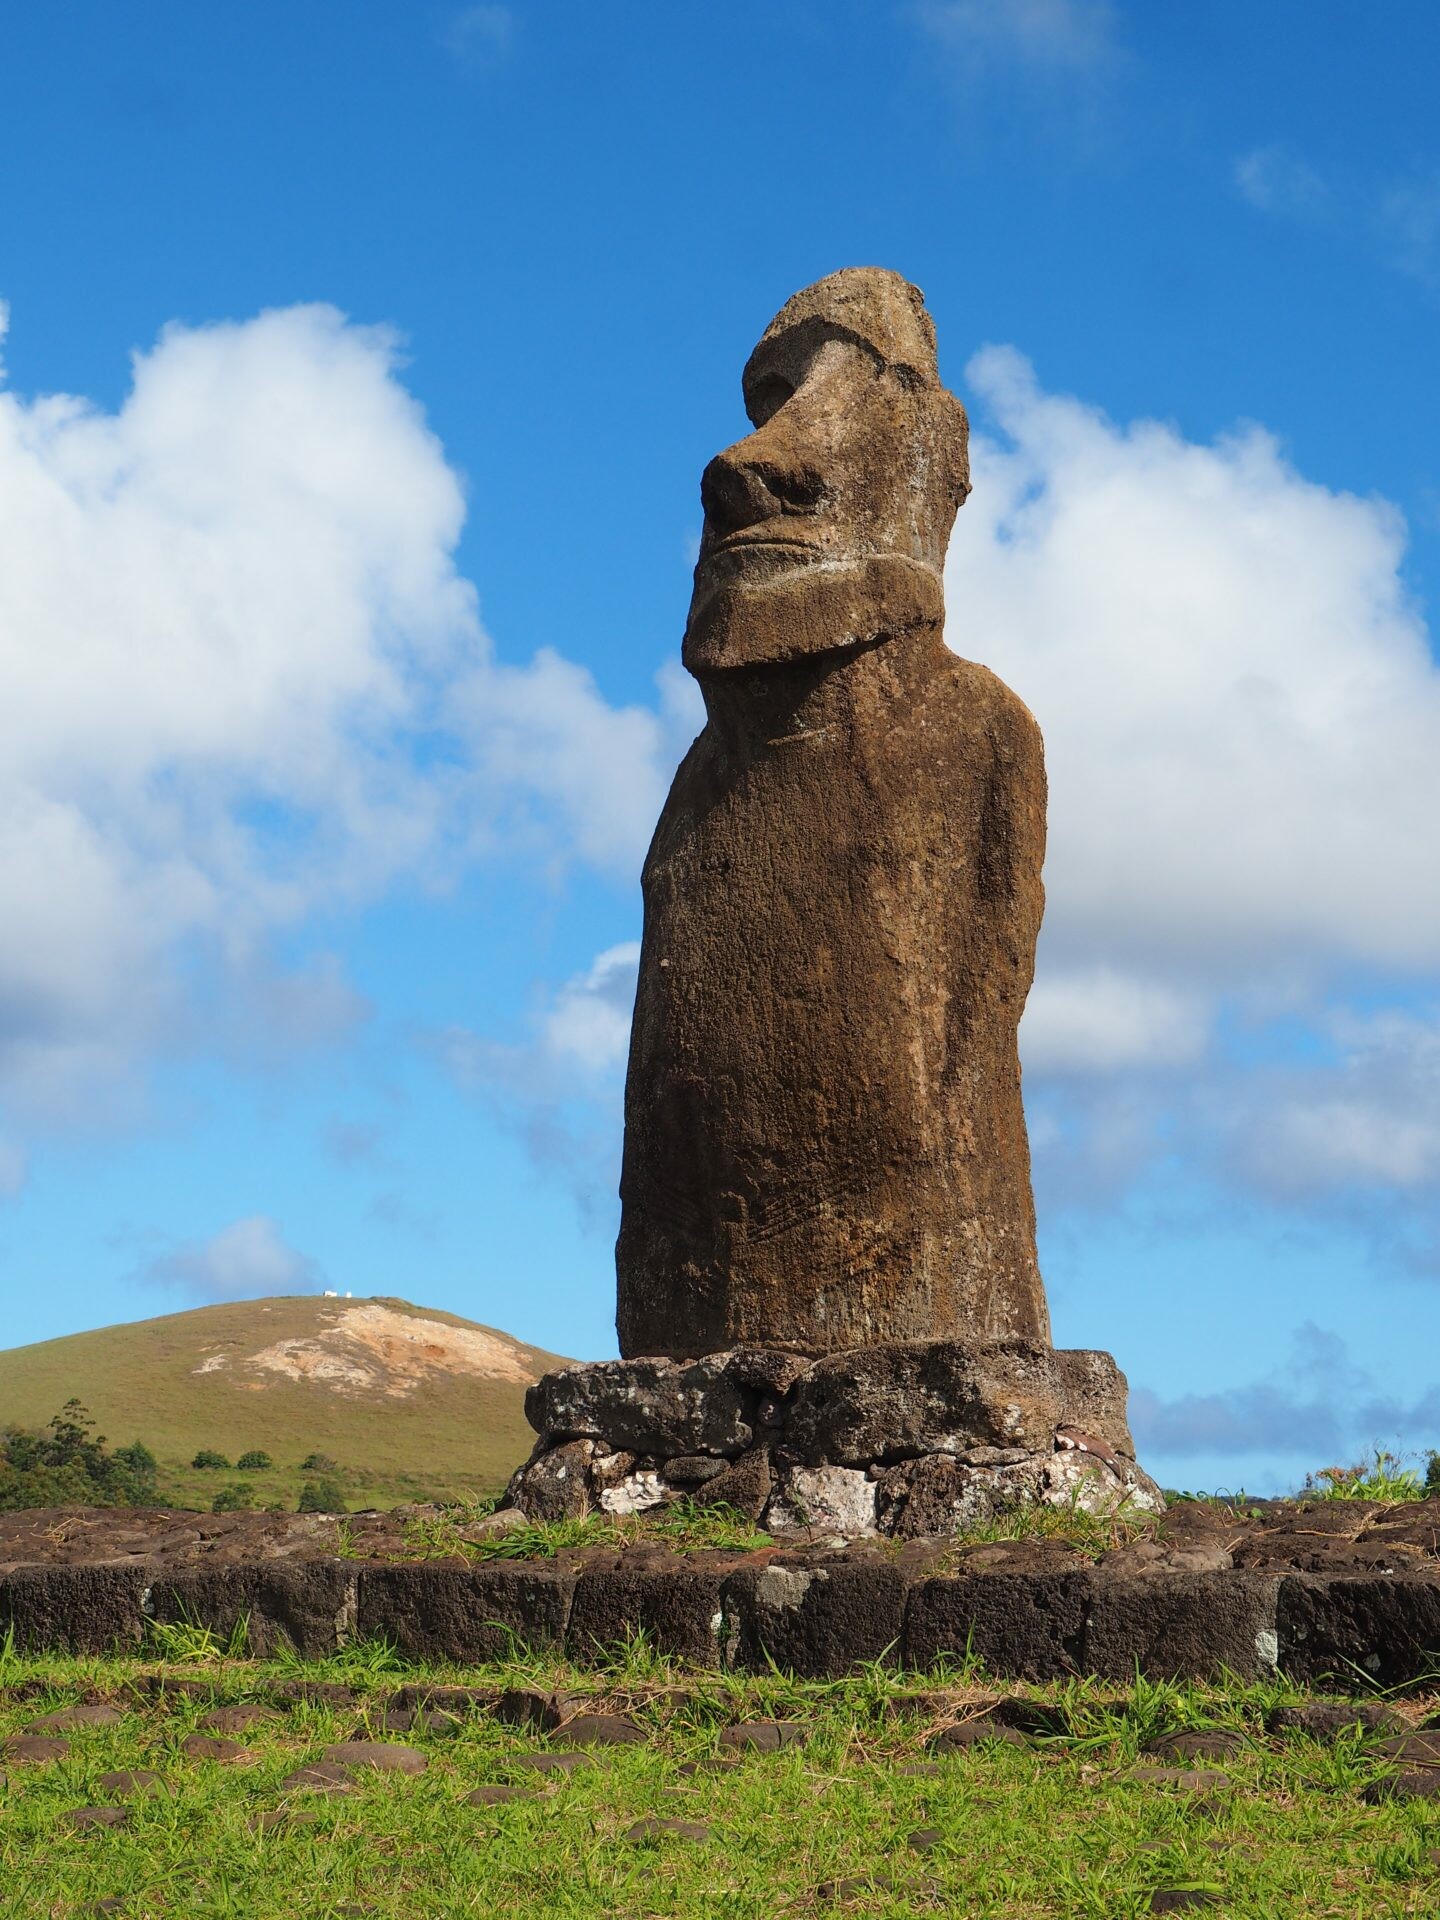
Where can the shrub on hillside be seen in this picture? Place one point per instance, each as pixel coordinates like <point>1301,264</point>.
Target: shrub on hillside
<point>318,1463</point>
<point>207,1457</point>
<point>255,1461</point>
<point>321,1496</point>
<point>236,1498</point>
<point>67,1465</point>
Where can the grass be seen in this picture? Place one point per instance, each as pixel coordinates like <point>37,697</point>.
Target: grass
<point>1059,1829</point>
<point>683,1526</point>
<point>1384,1476</point>
<point>459,1438</point>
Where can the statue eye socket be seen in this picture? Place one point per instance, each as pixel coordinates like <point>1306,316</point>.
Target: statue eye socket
<point>766,397</point>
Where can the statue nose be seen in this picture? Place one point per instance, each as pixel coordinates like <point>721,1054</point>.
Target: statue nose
<point>737,491</point>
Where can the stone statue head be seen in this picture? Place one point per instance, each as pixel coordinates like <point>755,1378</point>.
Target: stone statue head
<point>826,527</point>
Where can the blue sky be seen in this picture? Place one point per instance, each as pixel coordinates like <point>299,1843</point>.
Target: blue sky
<point>361,363</point>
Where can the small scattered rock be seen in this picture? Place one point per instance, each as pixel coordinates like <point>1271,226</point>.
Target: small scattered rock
<point>33,1748</point>
<point>70,1717</point>
<point>925,1839</point>
<point>763,1736</point>
<point>274,1817</point>
<point>597,1730</point>
<point>978,1729</point>
<point>133,1780</point>
<point>527,1707</point>
<point>497,1796</point>
<point>83,1817</point>
<point>318,1778</point>
<point>237,1719</point>
<point>707,1763</point>
<point>211,1746</point>
<point>171,1686</point>
<point>431,1720</point>
<point>857,1884</point>
<point>655,1828</point>
<point>1410,1749</point>
<point>1328,1719</point>
<point>383,1756</point>
<point>504,1520</point>
<point>1188,1779</point>
<point>1201,1743</point>
<point>1416,1783</point>
<point>317,1693</point>
<point>551,1762</point>
<point>439,1699</point>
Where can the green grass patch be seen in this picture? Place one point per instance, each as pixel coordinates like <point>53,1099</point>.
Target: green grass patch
<point>1059,1828</point>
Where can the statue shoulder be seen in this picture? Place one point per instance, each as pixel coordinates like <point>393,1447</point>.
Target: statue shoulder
<point>985,701</point>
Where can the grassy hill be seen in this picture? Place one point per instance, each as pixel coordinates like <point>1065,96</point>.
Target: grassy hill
<point>410,1403</point>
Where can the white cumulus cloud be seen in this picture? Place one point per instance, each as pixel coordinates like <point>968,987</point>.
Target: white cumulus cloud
<point>246,1260</point>
<point>241,679</point>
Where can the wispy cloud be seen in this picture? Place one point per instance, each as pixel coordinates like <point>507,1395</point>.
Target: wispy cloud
<point>1277,180</point>
<point>1410,217</point>
<point>1054,63</point>
<point>1316,1405</point>
<point>479,35</point>
<point>246,1260</point>
<point>560,1088</point>
<point>1070,37</point>
<point>1398,218</point>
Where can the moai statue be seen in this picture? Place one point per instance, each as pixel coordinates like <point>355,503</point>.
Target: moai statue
<point>824,1140</point>
<point>830,1309</point>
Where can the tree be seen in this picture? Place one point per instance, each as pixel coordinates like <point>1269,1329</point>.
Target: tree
<point>321,1496</point>
<point>236,1498</point>
<point>207,1457</point>
<point>255,1461</point>
<point>66,1465</point>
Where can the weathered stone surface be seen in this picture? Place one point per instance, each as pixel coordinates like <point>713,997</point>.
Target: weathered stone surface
<point>444,1613</point>
<point>83,1817</point>
<point>33,1749</point>
<point>661,1406</point>
<point>212,1746</point>
<point>1197,1743</point>
<point>78,1609</point>
<point>528,1707</point>
<point>133,1780</point>
<point>598,1730</point>
<point>679,1613</point>
<point>762,1736</point>
<point>556,1484</point>
<point>655,1828</point>
<point>232,1720</point>
<point>886,1403</point>
<point>975,1731</point>
<point>813,1621</point>
<point>381,1756</point>
<point>819,1153</point>
<point>1387,1628</point>
<point>307,1605</point>
<point>1328,1719</point>
<point>327,1779</point>
<point>1028,1627</point>
<point>1182,1625</point>
<point>745,1484</point>
<point>66,1719</point>
<point>822,1500</point>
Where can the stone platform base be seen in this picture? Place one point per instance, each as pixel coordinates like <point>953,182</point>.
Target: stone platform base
<point>912,1440</point>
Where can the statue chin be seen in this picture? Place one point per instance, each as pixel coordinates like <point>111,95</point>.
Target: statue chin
<point>809,608</point>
